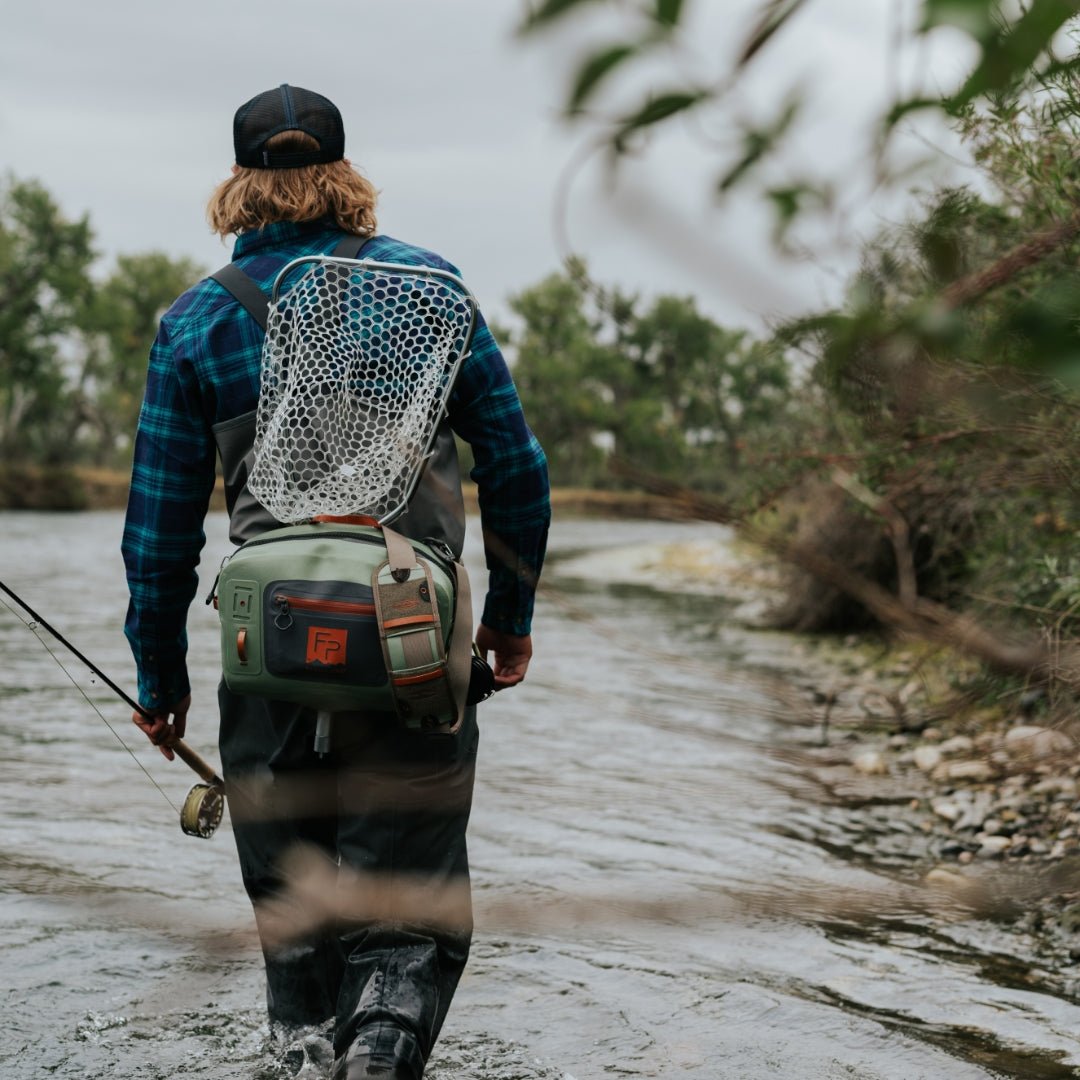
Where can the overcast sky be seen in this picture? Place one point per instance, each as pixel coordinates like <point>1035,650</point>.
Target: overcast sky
<point>124,111</point>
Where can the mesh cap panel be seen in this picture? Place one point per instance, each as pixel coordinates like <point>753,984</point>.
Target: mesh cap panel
<point>287,108</point>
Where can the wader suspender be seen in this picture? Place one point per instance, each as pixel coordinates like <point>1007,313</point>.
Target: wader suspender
<point>251,297</point>
<point>407,643</point>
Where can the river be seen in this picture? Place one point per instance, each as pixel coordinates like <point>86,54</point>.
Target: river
<point>659,890</point>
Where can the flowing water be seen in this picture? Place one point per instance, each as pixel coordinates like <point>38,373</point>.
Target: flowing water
<point>660,888</point>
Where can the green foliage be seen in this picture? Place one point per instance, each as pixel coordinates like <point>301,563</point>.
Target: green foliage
<point>771,19</point>
<point>72,350</point>
<point>1011,51</point>
<point>1016,46</point>
<point>120,326</point>
<point>662,385</point>
<point>44,288</point>
<point>944,368</point>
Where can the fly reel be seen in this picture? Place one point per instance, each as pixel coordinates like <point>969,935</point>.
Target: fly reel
<point>202,810</point>
<point>205,803</point>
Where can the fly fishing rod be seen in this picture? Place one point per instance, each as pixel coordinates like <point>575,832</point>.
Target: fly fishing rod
<point>205,803</point>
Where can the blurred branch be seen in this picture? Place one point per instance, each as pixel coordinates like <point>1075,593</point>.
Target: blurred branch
<point>1012,263</point>
<point>925,619</point>
<point>899,533</point>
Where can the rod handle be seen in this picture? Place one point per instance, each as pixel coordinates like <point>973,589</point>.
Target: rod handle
<point>204,769</point>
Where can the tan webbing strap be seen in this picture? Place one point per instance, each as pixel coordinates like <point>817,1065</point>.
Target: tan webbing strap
<point>429,686</point>
<point>399,551</point>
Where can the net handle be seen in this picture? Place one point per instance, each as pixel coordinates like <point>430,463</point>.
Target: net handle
<point>388,267</point>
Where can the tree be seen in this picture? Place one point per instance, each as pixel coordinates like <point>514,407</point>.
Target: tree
<point>948,378</point>
<point>72,351</point>
<point>120,325</point>
<point>666,388</point>
<point>717,385</point>
<point>556,362</point>
<point>44,289</point>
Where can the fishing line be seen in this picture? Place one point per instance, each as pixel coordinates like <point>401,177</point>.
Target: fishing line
<point>32,626</point>
<point>204,806</point>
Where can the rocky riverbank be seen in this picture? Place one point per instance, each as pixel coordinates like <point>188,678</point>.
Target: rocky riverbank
<point>973,799</point>
<point>942,777</point>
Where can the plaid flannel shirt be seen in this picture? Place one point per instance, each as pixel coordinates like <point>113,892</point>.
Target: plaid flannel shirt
<point>204,368</point>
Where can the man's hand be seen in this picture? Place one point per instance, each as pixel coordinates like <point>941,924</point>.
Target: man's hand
<point>512,654</point>
<point>166,725</point>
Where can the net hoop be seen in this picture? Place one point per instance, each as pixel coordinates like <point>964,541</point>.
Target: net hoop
<point>357,369</point>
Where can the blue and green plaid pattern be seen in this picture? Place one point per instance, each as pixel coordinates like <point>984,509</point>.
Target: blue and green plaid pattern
<point>204,369</point>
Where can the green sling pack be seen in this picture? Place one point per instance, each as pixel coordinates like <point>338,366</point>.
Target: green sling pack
<point>341,616</point>
<point>334,610</point>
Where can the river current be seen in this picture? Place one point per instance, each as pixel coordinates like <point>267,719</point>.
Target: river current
<point>657,890</point>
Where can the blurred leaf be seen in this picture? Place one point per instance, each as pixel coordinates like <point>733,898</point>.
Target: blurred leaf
<point>549,11</point>
<point>773,16</point>
<point>1045,326</point>
<point>667,12</point>
<point>789,202</point>
<point>905,108</point>
<point>656,109</point>
<point>1009,55</point>
<point>1066,372</point>
<point>757,142</point>
<point>979,18</point>
<point>593,71</point>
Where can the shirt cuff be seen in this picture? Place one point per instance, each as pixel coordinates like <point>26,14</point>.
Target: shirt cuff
<point>163,680</point>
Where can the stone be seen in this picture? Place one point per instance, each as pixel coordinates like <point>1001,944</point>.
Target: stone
<point>992,847</point>
<point>926,758</point>
<point>950,879</point>
<point>945,808</point>
<point>871,763</point>
<point>977,808</point>
<point>1030,740</point>
<point>1056,785</point>
<point>958,744</point>
<point>976,771</point>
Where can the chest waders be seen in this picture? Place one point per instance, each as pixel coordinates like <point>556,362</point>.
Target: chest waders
<point>323,604</point>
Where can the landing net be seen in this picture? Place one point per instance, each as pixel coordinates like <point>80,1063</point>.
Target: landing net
<point>359,361</point>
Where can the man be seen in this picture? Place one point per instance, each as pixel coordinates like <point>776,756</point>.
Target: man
<point>386,809</point>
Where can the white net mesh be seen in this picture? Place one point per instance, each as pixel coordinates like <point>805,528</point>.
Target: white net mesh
<point>358,361</point>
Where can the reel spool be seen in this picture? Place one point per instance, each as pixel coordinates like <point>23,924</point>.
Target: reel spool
<point>202,810</point>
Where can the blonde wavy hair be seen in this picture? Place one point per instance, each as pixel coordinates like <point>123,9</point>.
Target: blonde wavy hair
<point>252,198</point>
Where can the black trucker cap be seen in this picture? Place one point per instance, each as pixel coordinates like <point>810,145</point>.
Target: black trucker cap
<point>288,108</point>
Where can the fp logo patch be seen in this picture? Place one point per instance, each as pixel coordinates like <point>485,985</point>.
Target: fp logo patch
<point>326,646</point>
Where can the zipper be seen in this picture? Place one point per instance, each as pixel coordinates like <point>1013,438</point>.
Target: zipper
<point>336,607</point>
<point>440,549</point>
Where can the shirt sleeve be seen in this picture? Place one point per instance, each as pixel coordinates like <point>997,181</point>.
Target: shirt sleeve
<point>172,479</point>
<point>510,471</point>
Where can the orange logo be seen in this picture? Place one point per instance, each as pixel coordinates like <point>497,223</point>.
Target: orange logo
<point>326,646</point>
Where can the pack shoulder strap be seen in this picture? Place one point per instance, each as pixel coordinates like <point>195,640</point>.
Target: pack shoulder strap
<point>245,290</point>
<point>249,294</point>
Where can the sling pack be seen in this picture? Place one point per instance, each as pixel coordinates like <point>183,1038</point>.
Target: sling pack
<point>335,611</point>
